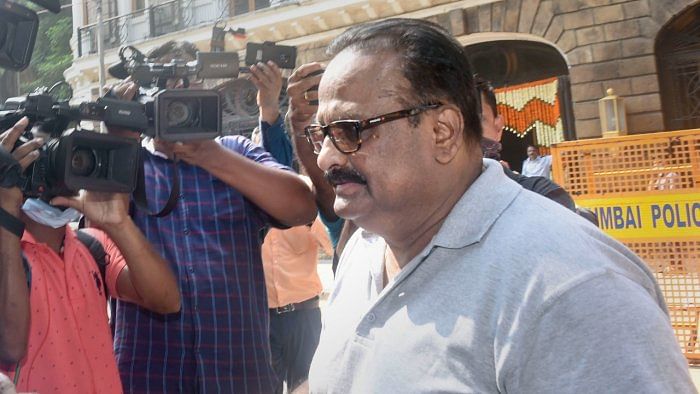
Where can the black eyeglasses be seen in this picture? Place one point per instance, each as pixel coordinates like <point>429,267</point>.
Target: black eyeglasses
<point>345,134</point>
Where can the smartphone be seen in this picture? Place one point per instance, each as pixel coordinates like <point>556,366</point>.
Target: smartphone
<point>283,56</point>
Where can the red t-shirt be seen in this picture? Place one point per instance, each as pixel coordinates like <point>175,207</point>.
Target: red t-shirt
<point>70,344</point>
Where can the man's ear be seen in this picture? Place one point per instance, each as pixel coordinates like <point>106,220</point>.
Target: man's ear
<point>500,124</point>
<point>448,133</point>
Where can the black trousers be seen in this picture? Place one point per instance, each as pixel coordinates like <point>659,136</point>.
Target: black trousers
<point>293,340</point>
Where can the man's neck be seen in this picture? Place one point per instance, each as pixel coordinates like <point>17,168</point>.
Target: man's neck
<point>52,237</point>
<point>409,240</point>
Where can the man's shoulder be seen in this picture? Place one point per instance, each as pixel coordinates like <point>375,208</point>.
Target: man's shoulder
<point>238,143</point>
<point>558,242</point>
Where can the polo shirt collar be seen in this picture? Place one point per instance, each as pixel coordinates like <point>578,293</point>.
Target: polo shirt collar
<point>475,212</point>
<point>478,208</point>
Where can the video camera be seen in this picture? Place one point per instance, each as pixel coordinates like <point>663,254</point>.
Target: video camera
<point>170,114</point>
<point>72,161</point>
<point>179,114</point>
<point>66,163</point>
<point>18,30</point>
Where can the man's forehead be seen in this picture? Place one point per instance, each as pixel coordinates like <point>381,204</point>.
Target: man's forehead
<point>354,80</point>
<point>351,66</point>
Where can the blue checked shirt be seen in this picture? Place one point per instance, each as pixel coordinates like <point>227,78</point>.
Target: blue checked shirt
<point>218,342</point>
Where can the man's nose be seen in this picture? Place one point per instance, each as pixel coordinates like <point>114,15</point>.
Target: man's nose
<point>329,156</point>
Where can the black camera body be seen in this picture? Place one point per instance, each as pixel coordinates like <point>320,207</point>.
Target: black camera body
<point>73,161</point>
<point>147,74</point>
<point>81,160</point>
<point>18,30</point>
<point>170,114</point>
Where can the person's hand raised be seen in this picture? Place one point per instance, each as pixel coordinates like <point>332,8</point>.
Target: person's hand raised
<point>268,79</point>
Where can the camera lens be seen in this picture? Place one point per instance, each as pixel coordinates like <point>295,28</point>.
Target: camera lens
<point>181,114</point>
<point>83,162</point>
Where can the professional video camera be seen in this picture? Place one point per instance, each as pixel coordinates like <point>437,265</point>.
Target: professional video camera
<point>172,114</point>
<point>72,161</point>
<point>178,114</point>
<point>18,29</point>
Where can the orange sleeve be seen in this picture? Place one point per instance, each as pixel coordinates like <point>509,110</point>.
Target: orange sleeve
<point>114,259</point>
<point>319,231</point>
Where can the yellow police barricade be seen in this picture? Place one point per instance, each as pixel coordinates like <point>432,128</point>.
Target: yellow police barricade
<point>645,191</point>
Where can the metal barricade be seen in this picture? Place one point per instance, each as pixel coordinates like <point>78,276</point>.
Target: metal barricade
<point>645,190</point>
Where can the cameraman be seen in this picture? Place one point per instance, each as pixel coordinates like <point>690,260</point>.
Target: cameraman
<point>53,321</point>
<point>231,189</point>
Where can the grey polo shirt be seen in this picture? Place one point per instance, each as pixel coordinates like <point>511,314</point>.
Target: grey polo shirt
<point>514,294</point>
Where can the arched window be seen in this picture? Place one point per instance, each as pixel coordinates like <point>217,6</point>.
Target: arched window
<point>512,63</point>
<point>678,60</point>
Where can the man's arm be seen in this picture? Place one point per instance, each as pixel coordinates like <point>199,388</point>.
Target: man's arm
<point>14,292</point>
<point>282,194</point>
<point>146,279</point>
<point>268,79</point>
<point>300,114</point>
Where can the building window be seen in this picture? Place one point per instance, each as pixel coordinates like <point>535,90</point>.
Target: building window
<point>138,5</point>
<point>245,6</point>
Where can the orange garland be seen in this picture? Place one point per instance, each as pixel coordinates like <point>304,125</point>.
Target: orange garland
<point>532,106</point>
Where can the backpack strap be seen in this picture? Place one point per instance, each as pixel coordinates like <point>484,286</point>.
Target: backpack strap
<point>28,275</point>
<point>98,254</point>
<point>27,271</point>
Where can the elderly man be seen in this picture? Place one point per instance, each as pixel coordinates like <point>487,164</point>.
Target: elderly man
<point>440,290</point>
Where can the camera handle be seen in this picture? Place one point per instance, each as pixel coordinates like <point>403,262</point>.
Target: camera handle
<point>140,192</point>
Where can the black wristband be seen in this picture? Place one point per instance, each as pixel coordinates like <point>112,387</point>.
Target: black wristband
<point>11,223</point>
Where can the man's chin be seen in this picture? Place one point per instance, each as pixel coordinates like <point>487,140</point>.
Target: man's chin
<point>346,208</point>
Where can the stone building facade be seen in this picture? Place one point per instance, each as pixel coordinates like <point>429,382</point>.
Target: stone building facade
<point>605,43</point>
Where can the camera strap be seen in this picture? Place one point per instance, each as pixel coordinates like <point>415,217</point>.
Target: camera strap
<point>11,223</point>
<point>140,192</point>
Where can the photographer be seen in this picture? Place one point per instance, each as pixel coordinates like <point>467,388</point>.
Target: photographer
<point>230,190</point>
<point>54,333</point>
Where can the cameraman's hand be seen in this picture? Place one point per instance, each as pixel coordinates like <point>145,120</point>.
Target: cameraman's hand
<point>124,90</point>
<point>301,110</point>
<point>25,154</point>
<point>103,210</point>
<point>268,79</point>
<point>197,153</point>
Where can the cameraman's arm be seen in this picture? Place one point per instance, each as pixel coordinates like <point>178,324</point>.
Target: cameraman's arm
<point>301,114</point>
<point>281,194</point>
<point>268,79</point>
<point>143,276</point>
<point>14,292</point>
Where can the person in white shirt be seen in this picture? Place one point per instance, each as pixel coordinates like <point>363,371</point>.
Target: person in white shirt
<point>536,165</point>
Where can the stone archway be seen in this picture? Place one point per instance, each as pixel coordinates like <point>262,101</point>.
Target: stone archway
<point>678,59</point>
<point>515,66</point>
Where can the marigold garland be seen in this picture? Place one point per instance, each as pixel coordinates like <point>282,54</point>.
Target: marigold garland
<point>532,107</point>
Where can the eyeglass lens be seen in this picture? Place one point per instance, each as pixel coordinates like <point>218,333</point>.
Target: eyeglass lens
<point>343,135</point>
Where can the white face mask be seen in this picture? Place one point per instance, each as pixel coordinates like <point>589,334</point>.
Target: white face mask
<point>43,213</point>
